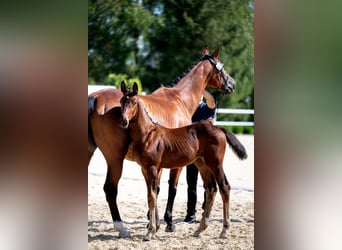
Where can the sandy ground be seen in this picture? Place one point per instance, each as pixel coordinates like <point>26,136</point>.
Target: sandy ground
<point>132,202</point>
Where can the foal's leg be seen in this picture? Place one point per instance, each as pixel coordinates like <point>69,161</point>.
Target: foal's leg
<point>157,192</point>
<point>150,175</point>
<point>173,182</point>
<point>210,192</point>
<point>158,189</point>
<point>225,193</point>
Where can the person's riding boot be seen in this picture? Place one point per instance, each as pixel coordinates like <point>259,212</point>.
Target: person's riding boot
<point>191,205</point>
<point>191,178</point>
<point>190,218</point>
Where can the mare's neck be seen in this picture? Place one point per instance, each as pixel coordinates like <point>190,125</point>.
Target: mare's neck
<point>192,86</point>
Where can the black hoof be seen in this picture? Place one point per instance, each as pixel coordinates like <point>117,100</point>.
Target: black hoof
<point>170,228</point>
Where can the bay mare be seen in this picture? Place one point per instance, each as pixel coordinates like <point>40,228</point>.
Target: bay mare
<point>158,147</point>
<point>171,107</point>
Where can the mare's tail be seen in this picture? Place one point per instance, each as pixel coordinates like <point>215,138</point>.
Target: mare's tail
<point>91,141</point>
<point>236,145</point>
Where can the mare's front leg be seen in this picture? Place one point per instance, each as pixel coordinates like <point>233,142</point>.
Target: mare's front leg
<point>173,182</point>
<point>210,193</point>
<point>151,178</point>
<point>111,190</point>
<point>113,141</point>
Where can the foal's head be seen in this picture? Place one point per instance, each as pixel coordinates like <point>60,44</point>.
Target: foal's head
<point>219,78</point>
<point>129,104</point>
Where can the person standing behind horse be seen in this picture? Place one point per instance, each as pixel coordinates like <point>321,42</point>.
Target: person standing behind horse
<point>205,110</point>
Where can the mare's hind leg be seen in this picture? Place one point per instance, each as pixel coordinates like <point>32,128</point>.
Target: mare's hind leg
<point>91,150</point>
<point>210,192</point>
<point>173,182</point>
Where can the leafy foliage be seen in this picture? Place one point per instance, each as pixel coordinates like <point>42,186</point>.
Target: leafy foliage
<point>156,40</point>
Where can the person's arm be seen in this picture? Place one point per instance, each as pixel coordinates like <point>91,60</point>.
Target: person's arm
<point>209,99</point>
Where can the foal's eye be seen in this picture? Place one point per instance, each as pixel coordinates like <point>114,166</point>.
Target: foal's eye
<point>134,102</point>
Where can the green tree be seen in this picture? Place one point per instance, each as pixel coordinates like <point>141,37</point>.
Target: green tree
<point>186,26</point>
<point>156,40</point>
<point>115,33</point>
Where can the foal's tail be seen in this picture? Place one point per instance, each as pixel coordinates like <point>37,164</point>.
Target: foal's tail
<point>236,145</point>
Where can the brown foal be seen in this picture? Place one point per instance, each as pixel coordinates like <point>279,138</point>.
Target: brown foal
<point>158,147</point>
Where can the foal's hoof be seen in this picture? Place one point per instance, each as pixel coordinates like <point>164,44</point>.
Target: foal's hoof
<point>170,228</point>
<point>148,237</point>
<point>224,235</point>
<point>198,233</point>
<point>157,227</point>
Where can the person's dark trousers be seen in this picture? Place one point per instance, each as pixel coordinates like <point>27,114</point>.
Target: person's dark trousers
<point>191,178</point>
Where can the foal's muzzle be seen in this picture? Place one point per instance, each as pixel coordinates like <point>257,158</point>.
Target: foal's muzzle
<point>123,123</point>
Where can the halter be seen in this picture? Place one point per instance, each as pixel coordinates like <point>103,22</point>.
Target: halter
<point>218,66</point>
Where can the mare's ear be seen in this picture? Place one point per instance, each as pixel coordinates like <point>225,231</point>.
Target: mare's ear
<point>216,52</point>
<point>123,87</point>
<point>135,87</point>
<point>205,50</point>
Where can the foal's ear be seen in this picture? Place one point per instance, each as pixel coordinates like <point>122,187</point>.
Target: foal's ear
<point>123,87</point>
<point>135,87</point>
<point>205,50</point>
<point>216,52</point>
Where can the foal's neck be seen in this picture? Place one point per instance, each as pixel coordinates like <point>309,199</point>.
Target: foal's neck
<point>142,124</point>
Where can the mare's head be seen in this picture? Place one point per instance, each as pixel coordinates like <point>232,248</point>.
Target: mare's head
<point>219,79</point>
<point>129,104</point>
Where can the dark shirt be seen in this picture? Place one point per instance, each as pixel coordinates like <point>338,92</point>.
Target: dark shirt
<point>203,112</point>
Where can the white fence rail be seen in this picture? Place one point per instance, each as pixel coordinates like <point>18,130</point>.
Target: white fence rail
<point>234,111</point>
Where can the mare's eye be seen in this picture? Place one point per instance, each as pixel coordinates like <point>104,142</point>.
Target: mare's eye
<point>134,102</point>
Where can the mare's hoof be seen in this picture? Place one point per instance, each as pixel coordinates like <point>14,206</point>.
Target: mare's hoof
<point>124,234</point>
<point>170,228</point>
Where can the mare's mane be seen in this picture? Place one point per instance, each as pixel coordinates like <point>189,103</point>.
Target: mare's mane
<point>182,75</point>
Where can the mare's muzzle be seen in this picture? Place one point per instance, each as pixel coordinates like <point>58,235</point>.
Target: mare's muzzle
<point>229,85</point>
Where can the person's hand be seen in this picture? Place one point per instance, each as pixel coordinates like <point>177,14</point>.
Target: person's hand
<point>211,120</point>
<point>209,99</point>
